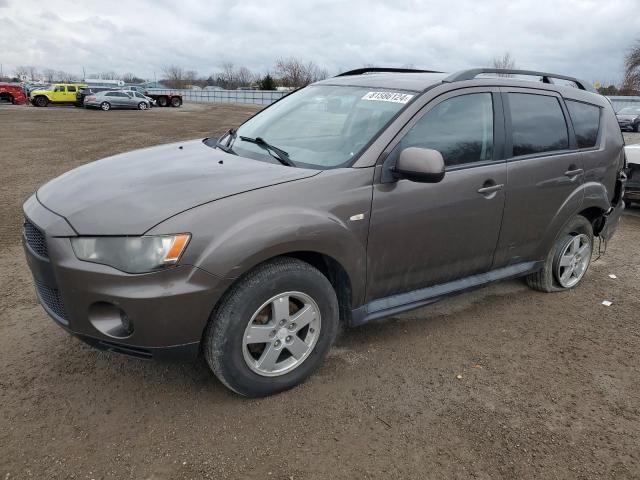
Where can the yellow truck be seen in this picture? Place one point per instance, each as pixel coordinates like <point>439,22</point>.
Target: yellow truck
<point>58,93</point>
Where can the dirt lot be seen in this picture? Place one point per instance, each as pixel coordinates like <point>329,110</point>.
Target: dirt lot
<point>549,385</point>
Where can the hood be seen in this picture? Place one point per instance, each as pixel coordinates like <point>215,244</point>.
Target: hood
<point>127,194</point>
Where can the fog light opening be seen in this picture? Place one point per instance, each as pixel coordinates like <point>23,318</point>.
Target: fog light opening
<point>110,320</point>
<point>127,324</point>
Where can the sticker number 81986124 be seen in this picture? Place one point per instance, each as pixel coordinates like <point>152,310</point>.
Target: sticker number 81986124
<point>394,97</point>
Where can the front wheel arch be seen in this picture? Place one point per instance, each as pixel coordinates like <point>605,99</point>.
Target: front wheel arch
<point>221,337</point>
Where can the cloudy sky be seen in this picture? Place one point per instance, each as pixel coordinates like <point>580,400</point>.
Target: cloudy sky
<point>586,38</point>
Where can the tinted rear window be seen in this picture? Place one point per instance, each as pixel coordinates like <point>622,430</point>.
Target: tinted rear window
<point>586,123</point>
<point>537,123</point>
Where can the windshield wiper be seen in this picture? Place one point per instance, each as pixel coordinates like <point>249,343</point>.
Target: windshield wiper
<point>280,155</point>
<point>226,147</point>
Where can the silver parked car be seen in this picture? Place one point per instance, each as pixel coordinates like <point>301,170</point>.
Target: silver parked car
<point>117,99</point>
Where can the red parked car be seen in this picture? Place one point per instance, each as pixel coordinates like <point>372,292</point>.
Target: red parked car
<point>12,93</point>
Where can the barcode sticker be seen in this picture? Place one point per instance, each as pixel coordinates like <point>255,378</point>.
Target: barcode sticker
<point>394,97</point>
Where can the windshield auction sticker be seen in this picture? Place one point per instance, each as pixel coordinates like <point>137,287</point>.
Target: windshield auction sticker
<point>388,97</point>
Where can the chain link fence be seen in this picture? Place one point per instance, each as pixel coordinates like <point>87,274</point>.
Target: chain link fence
<point>622,102</point>
<point>260,97</point>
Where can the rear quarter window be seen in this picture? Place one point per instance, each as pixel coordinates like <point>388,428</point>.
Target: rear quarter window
<point>537,124</point>
<point>586,122</point>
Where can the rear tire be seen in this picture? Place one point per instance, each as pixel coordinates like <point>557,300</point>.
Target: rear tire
<point>550,278</point>
<point>162,101</point>
<point>105,106</point>
<point>176,101</point>
<point>255,303</point>
<point>636,127</point>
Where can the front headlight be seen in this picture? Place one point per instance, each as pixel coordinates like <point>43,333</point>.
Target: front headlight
<point>132,254</point>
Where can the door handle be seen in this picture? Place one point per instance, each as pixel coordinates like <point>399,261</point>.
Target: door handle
<point>573,172</point>
<point>488,190</point>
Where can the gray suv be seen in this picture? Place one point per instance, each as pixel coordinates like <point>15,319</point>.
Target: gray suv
<point>356,198</point>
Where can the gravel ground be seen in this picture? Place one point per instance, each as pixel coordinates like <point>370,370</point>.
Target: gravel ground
<point>503,382</point>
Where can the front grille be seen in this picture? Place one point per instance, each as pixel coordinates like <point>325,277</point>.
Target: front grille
<point>51,298</point>
<point>35,239</point>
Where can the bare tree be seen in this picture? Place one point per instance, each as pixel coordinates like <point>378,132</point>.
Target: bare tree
<point>505,62</point>
<point>131,78</point>
<point>21,71</point>
<point>190,77</point>
<point>33,72</point>
<point>231,77</point>
<point>49,74</point>
<point>110,75</point>
<point>631,83</point>
<point>295,73</point>
<point>174,76</point>
<point>245,77</point>
<point>63,76</point>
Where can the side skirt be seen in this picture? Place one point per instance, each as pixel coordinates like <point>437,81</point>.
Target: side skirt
<point>402,302</point>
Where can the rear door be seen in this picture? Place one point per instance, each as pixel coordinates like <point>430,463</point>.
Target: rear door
<point>544,170</point>
<point>72,91</point>
<point>119,99</point>
<point>423,234</point>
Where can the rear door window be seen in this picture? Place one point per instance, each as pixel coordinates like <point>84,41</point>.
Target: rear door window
<point>586,122</point>
<point>537,124</point>
<point>71,89</point>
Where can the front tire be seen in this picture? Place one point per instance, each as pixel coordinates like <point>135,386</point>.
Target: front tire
<point>142,106</point>
<point>176,101</point>
<point>41,101</point>
<point>568,261</point>
<point>273,328</point>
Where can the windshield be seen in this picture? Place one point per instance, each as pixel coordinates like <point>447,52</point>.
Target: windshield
<point>629,111</point>
<point>321,126</point>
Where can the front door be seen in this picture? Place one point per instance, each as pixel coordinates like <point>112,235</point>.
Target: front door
<point>423,234</point>
<point>59,93</point>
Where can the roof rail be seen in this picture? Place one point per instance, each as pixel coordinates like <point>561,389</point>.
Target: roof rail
<point>546,77</point>
<point>362,71</point>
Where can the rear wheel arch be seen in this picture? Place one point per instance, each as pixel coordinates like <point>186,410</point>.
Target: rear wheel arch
<point>595,215</point>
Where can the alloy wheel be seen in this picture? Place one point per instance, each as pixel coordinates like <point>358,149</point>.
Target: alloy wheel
<point>281,334</point>
<point>572,263</point>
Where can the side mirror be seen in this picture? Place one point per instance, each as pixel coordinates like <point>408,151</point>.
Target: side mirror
<point>420,165</point>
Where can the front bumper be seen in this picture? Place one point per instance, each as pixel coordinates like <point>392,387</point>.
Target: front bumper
<point>166,311</point>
